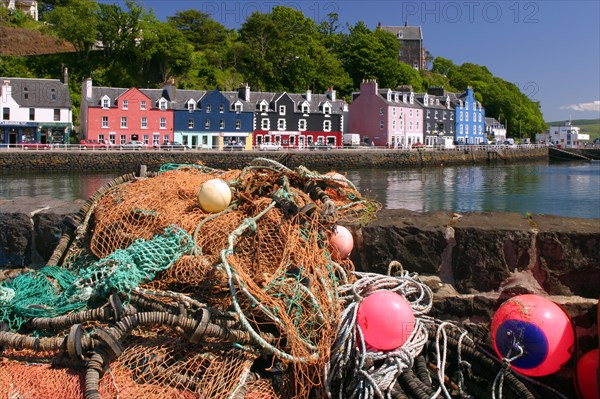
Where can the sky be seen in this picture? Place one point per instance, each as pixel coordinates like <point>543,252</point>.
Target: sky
<point>550,49</point>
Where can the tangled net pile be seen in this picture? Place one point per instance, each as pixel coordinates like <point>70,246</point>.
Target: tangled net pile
<point>148,296</point>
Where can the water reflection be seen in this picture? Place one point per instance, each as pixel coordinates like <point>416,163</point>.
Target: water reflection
<point>570,189</point>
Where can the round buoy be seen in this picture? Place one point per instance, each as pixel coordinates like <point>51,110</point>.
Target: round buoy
<point>587,380</point>
<point>214,195</point>
<point>386,320</point>
<point>538,327</point>
<point>341,243</point>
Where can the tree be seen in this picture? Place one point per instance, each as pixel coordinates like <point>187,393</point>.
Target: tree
<point>442,66</point>
<point>77,23</point>
<point>199,29</point>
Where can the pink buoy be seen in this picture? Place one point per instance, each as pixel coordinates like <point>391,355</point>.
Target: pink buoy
<point>341,242</point>
<point>538,327</point>
<point>587,377</point>
<point>386,320</point>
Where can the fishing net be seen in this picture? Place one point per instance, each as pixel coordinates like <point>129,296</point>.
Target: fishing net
<point>149,296</point>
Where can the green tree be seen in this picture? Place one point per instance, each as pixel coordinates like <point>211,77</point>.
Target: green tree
<point>77,23</point>
<point>199,29</point>
<point>442,66</point>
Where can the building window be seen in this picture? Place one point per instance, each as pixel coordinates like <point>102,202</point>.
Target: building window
<point>282,110</point>
<point>238,124</point>
<point>222,124</point>
<point>264,124</point>
<point>327,110</point>
<point>191,106</point>
<point>163,123</point>
<point>461,116</point>
<point>263,107</point>
<point>207,124</point>
<point>461,128</point>
<point>101,138</point>
<point>238,107</point>
<point>155,138</point>
<point>146,138</point>
<point>143,105</point>
<point>394,124</point>
<point>208,108</point>
<point>53,94</point>
<point>191,123</point>
<point>144,122</point>
<point>302,124</point>
<point>474,129</point>
<point>380,125</point>
<point>165,138</point>
<point>124,122</point>
<point>31,114</point>
<point>466,116</point>
<point>281,124</point>
<point>327,126</point>
<point>304,108</point>
<point>428,127</point>
<point>444,115</point>
<point>125,104</point>
<point>162,104</point>
<point>417,126</point>
<point>435,115</point>
<point>105,121</point>
<point>122,139</point>
<point>410,125</point>
<point>56,114</point>
<point>221,108</point>
<point>467,106</point>
<point>105,103</point>
<point>474,116</point>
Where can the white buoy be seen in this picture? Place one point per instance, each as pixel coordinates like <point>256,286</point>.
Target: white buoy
<point>214,195</point>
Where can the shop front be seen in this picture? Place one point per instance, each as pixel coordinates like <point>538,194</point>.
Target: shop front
<point>55,132</point>
<point>12,132</point>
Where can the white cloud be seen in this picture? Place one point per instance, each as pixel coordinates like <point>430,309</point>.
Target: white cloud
<point>591,106</point>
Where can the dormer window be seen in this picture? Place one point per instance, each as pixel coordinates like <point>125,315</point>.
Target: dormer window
<point>262,107</point>
<point>125,104</point>
<point>53,94</point>
<point>327,109</point>
<point>237,107</point>
<point>105,102</point>
<point>304,107</point>
<point>162,104</point>
<point>412,98</point>
<point>404,98</point>
<point>191,106</point>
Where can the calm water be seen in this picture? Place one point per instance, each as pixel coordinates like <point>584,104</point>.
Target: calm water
<point>566,189</point>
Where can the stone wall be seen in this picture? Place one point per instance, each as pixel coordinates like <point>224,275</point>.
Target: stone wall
<point>129,160</point>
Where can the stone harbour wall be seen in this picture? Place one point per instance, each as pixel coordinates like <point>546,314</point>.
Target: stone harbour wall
<point>349,158</point>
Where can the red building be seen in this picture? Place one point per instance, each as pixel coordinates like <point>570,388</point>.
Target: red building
<point>122,115</point>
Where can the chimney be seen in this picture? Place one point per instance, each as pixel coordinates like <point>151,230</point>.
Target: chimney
<point>368,86</point>
<point>87,88</point>
<point>308,94</point>
<point>65,78</point>
<point>244,92</point>
<point>6,88</point>
<point>330,93</point>
<point>170,88</point>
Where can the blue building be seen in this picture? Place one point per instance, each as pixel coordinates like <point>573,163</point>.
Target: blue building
<point>470,119</point>
<point>211,119</point>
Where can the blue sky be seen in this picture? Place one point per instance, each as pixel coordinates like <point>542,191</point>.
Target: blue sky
<point>550,49</point>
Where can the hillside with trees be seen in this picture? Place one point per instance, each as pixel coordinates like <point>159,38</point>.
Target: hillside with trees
<point>127,46</point>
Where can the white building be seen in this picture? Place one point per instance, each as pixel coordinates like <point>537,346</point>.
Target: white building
<point>494,130</point>
<point>35,110</point>
<point>565,136</point>
<point>27,7</point>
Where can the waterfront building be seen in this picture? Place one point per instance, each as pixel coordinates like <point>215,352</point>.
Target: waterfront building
<point>494,130</point>
<point>438,117</point>
<point>121,115</point>
<point>565,136</point>
<point>386,117</point>
<point>470,119</point>
<point>35,110</point>
<point>299,120</point>
<point>411,50</point>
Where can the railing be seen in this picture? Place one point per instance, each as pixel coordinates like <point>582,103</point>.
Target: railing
<point>102,148</point>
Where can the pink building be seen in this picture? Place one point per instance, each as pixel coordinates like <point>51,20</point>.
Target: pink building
<point>386,117</point>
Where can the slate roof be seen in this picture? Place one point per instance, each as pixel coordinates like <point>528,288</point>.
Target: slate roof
<point>36,93</point>
<point>408,32</point>
<point>407,104</point>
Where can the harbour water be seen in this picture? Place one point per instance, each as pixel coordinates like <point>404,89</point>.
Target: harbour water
<point>563,189</point>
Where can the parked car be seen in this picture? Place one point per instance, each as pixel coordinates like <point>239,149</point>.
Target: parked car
<point>132,145</point>
<point>88,144</point>
<point>32,145</point>
<point>270,147</point>
<point>233,147</point>
<point>173,145</point>
<point>320,146</point>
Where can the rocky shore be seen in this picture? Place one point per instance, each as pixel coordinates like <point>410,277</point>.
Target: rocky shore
<point>471,261</point>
